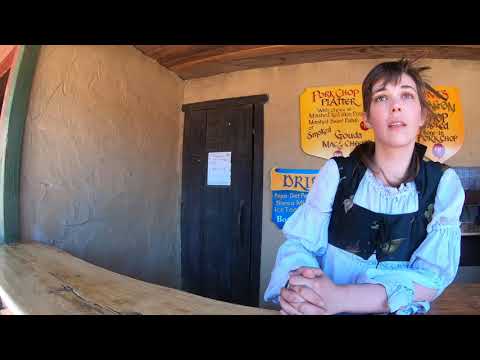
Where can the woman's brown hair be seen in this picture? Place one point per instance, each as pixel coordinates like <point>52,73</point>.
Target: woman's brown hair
<point>391,72</point>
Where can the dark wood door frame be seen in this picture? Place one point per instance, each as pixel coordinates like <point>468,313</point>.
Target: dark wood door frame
<point>257,101</point>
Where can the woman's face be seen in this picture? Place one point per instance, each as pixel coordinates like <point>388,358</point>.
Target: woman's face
<point>395,112</point>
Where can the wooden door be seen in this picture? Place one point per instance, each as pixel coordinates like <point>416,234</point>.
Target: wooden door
<point>220,247</point>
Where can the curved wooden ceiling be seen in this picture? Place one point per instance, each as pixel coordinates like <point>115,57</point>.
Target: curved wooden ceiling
<point>195,61</point>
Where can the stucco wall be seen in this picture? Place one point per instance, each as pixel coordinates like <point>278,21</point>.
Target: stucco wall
<point>282,123</point>
<point>100,160</point>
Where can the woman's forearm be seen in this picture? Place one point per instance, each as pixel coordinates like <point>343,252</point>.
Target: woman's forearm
<point>364,299</point>
<point>423,293</point>
<point>372,298</point>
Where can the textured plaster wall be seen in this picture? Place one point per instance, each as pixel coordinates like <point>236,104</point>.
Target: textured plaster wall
<point>100,176</point>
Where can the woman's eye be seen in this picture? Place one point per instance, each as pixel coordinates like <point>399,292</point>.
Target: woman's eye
<point>408,96</point>
<point>380,98</point>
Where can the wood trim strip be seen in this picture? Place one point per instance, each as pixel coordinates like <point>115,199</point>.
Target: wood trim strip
<point>245,100</point>
<point>257,203</point>
<point>13,118</point>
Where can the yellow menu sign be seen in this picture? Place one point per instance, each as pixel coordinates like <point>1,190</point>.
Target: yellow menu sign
<point>444,135</point>
<point>331,120</point>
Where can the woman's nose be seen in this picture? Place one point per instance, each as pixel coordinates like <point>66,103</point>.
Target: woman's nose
<point>396,108</point>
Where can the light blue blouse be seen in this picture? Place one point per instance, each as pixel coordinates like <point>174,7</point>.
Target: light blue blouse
<point>434,263</point>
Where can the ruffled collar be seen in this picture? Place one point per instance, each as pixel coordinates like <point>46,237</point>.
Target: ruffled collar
<point>404,188</point>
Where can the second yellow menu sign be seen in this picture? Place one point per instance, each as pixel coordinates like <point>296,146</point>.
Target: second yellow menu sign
<point>444,134</point>
<point>331,120</point>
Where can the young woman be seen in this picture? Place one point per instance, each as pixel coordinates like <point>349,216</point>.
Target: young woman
<point>379,231</point>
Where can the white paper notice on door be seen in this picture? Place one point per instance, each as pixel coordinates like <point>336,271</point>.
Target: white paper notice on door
<point>219,168</point>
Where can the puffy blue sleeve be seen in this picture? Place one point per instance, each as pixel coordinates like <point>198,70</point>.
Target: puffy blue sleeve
<point>435,262</point>
<point>306,230</point>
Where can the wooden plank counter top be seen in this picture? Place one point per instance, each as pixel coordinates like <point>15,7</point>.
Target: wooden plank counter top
<point>40,279</point>
<point>458,299</point>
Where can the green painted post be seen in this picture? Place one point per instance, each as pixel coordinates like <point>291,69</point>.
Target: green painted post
<point>13,125</point>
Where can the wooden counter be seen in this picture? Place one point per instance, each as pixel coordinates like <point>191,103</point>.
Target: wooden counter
<point>458,299</point>
<point>40,279</point>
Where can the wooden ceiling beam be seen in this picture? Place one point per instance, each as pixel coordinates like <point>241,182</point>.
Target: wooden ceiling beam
<point>194,61</point>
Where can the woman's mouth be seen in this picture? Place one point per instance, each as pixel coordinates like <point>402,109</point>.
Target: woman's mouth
<point>396,124</point>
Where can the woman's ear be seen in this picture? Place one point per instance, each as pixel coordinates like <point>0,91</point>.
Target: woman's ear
<point>365,120</point>
<point>423,118</point>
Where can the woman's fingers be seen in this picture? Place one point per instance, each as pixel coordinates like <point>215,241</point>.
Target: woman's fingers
<point>307,308</point>
<point>309,295</point>
<point>288,308</point>
<point>295,272</point>
<point>300,280</point>
<point>308,272</point>
<point>291,296</point>
<point>311,304</point>
<point>311,272</point>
